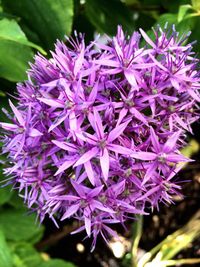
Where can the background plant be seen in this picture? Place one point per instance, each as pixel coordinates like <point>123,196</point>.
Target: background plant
<point>30,26</point>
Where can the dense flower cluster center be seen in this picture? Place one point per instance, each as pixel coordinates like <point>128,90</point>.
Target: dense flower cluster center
<point>98,129</point>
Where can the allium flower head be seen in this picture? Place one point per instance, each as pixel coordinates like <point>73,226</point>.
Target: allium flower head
<point>97,131</point>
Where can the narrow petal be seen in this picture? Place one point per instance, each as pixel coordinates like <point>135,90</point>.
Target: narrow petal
<point>150,172</point>
<point>87,224</point>
<point>16,140</point>
<point>90,172</point>
<point>35,133</point>
<point>194,94</point>
<point>144,155</point>
<point>122,114</point>
<point>20,145</point>
<point>116,132</point>
<point>171,142</point>
<point>98,205</point>
<point>104,161</point>
<point>72,121</point>
<point>17,114</point>
<point>95,192</point>
<point>176,158</point>
<point>110,232</point>
<point>130,76</point>
<point>118,48</point>
<point>181,122</point>
<point>147,39</point>
<point>120,149</point>
<point>130,208</point>
<point>52,102</point>
<point>70,211</point>
<point>117,188</point>
<point>65,166</point>
<point>91,139</point>
<point>79,61</point>
<point>80,229</point>
<point>63,84</point>
<point>143,65</point>
<point>87,156</point>
<point>138,115</point>
<point>69,198</point>
<point>149,192</point>
<point>154,140</point>
<point>58,121</point>
<point>93,93</point>
<point>158,63</point>
<point>65,146</point>
<point>98,124</point>
<point>174,172</point>
<point>107,62</point>
<point>80,189</point>
<point>9,126</point>
<point>175,83</point>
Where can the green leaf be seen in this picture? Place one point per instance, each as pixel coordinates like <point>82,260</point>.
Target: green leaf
<point>173,6</point>
<point>57,263</point>
<point>196,4</point>
<point>195,34</point>
<point>132,2</point>
<point>49,19</point>
<point>82,24</point>
<point>5,194</point>
<point>16,201</point>
<point>10,30</point>
<point>15,51</point>
<point>5,255</point>
<point>7,15</point>
<point>182,27</point>
<point>106,15</point>
<point>14,60</point>
<point>167,18</point>
<point>145,21</point>
<point>182,12</point>
<point>18,226</point>
<point>25,255</point>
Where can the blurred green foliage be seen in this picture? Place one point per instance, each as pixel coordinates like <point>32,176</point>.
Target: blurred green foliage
<point>28,26</point>
<point>31,26</point>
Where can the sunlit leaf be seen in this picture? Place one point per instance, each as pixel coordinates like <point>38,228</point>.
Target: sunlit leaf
<point>14,60</point>
<point>183,11</point>
<point>10,30</point>
<point>49,19</point>
<point>196,4</point>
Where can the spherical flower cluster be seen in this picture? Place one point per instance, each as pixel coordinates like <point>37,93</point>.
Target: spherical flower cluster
<point>98,129</point>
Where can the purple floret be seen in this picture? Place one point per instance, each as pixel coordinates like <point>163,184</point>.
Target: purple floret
<point>97,131</point>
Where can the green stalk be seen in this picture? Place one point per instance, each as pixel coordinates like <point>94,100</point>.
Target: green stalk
<point>179,262</point>
<point>137,233</point>
<point>172,244</point>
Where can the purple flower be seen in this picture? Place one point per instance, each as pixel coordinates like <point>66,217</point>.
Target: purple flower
<point>98,129</point>
<point>161,155</point>
<point>20,129</point>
